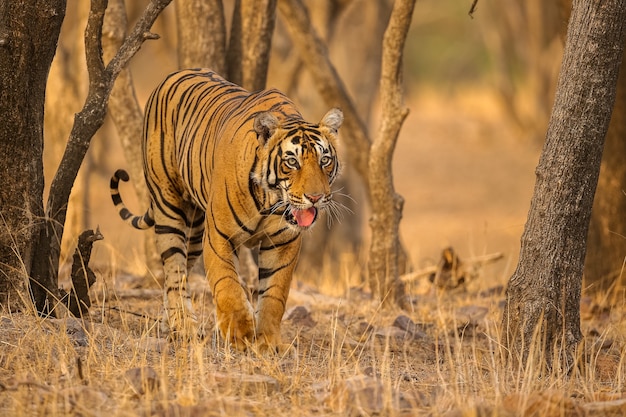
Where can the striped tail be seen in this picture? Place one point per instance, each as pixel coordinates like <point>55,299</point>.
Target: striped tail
<point>138,222</point>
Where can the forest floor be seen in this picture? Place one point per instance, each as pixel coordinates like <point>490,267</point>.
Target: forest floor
<point>467,181</point>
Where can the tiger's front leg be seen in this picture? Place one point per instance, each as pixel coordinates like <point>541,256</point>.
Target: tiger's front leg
<point>235,316</point>
<point>277,262</point>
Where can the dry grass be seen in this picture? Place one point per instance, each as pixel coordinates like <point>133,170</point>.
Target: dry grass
<point>347,358</point>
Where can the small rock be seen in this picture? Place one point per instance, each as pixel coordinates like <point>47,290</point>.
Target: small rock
<point>471,314</point>
<point>153,344</point>
<point>300,316</point>
<point>357,395</point>
<point>95,399</point>
<point>142,380</point>
<point>405,323</point>
<point>74,328</point>
<point>236,382</point>
<point>392,333</point>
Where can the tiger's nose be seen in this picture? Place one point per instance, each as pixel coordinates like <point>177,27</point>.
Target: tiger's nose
<point>314,198</point>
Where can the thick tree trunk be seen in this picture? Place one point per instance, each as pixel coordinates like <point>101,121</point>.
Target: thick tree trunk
<point>544,292</point>
<point>606,246</point>
<point>29,32</point>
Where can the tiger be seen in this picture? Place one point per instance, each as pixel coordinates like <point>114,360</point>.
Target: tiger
<point>227,168</point>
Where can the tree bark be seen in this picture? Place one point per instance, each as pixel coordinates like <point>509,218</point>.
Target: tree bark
<point>29,32</point>
<point>543,296</point>
<point>606,248</point>
<point>383,266</point>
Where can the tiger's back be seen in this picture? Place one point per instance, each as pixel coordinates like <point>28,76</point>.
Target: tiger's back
<point>227,168</point>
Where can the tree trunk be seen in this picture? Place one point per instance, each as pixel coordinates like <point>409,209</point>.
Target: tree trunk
<point>353,31</point>
<point>384,260</point>
<point>314,55</point>
<point>250,42</point>
<point>542,303</point>
<point>29,32</point>
<point>201,34</point>
<point>606,246</point>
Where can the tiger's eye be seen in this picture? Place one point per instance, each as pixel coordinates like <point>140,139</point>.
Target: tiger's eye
<point>292,162</point>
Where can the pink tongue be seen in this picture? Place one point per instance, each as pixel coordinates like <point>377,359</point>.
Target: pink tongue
<point>304,217</point>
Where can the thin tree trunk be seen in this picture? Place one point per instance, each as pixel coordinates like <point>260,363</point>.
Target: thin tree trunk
<point>250,42</point>
<point>124,107</point>
<point>29,32</point>
<point>383,266</point>
<point>201,34</point>
<point>544,292</point>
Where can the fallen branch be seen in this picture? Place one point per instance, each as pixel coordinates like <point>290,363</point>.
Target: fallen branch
<point>472,263</point>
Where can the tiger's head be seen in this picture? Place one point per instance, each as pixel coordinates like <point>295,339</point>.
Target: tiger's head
<point>298,164</point>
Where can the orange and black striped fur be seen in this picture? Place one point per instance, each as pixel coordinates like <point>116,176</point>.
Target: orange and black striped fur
<point>228,168</point>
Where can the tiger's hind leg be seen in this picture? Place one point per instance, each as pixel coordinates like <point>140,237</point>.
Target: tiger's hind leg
<point>174,238</point>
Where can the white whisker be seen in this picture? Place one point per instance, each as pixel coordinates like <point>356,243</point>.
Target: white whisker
<point>344,195</point>
<point>336,212</point>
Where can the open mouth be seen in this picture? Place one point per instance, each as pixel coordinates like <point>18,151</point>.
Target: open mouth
<point>302,218</point>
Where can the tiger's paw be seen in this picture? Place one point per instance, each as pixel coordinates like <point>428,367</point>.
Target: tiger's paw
<point>263,347</point>
<point>237,328</point>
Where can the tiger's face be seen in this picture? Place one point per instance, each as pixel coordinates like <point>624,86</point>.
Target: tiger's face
<point>299,165</point>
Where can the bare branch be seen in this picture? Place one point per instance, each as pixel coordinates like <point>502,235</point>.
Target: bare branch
<point>314,54</point>
<point>93,39</point>
<point>140,33</point>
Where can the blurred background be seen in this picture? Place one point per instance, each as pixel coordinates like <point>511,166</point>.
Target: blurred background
<point>479,89</point>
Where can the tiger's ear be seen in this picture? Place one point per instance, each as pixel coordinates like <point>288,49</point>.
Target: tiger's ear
<point>333,119</point>
<point>265,125</point>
